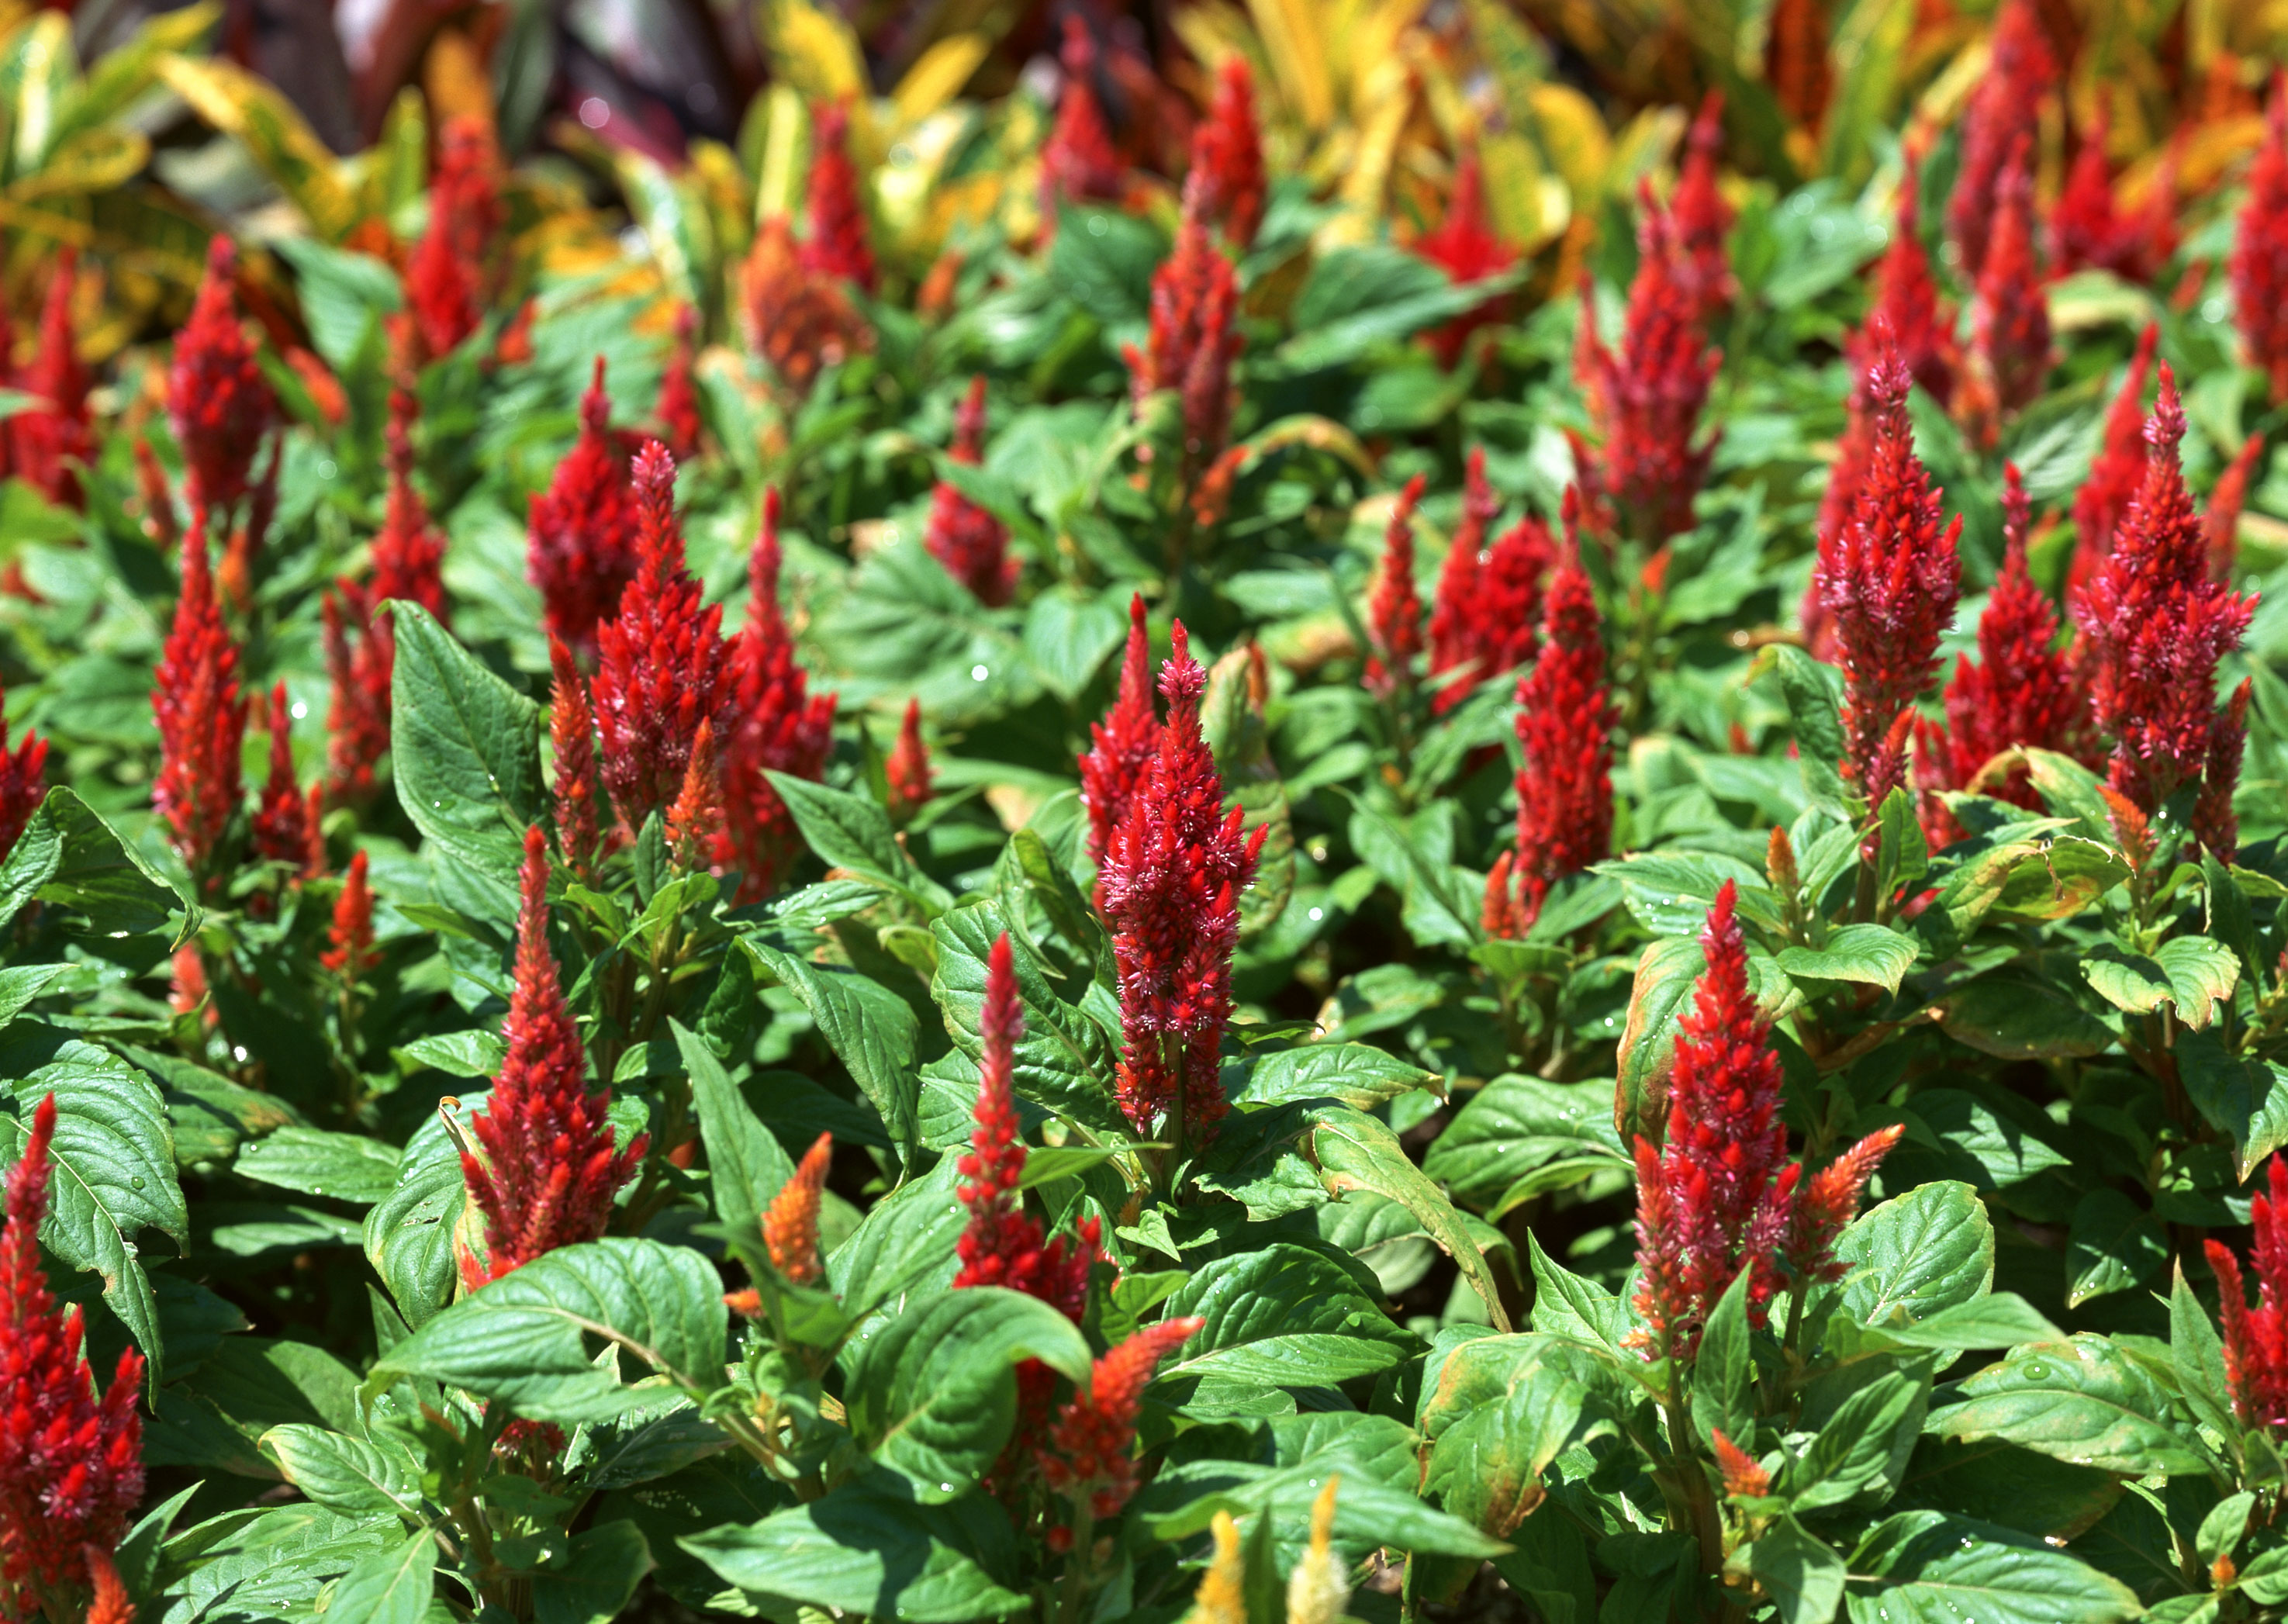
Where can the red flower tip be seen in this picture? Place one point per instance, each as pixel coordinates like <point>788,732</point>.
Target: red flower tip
<point>548,1170</point>
<point>1828,1202</point>
<point>1564,785</point>
<point>580,548</point>
<point>676,408</point>
<point>2221,524</point>
<point>662,666</point>
<point>1796,63</point>
<point>791,1222</point>
<point>799,320</point>
<point>780,727</point>
<point>349,952</point>
<point>572,739</point>
<point>836,246</point>
<point>2088,227</point>
<point>201,717</point>
<point>1473,635</point>
<point>1170,887</point>
<point>408,555</point>
<point>2003,111</point>
<point>1906,297</point>
<point>159,521</point>
<point>2009,316</point>
<point>1078,160</point>
<point>1743,1477</point>
<point>218,403</point>
<point>1468,249</point>
<point>2256,1339</point>
<point>450,277</point>
<point>2259,266</point>
<point>1888,580</point>
<point>970,542</point>
<point>50,444</point>
<point>1119,759</point>
<point>360,652</point>
<point>694,820</point>
<point>1087,1457</point>
<point>1704,219</point>
<point>2156,627</point>
<point>23,784</point>
<point>108,1604</point>
<point>1228,154</point>
<point>907,771</point>
<point>2119,468</point>
<point>1395,616</point>
<point>1194,340</point>
<point>284,828</point>
<point>71,1464</point>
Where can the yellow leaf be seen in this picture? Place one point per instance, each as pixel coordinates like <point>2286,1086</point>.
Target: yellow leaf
<point>42,65</point>
<point>814,50</point>
<point>938,78</point>
<point>92,161</point>
<point>120,76</point>
<point>785,147</point>
<point>1299,61</point>
<point>1513,188</point>
<point>266,124</point>
<point>1573,136</point>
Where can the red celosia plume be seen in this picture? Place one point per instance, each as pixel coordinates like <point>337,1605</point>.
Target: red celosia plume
<point>1228,154</point>
<point>2009,313</point>
<point>906,772</point>
<point>2002,113</point>
<point>349,940</point>
<point>2259,266</point>
<point>1122,746</point>
<point>2256,1339</point>
<point>360,654</point>
<point>1194,341</point>
<point>677,409</point>
<point>408,554</point>
<point>23,785</point>
<point>1078,160</point>
<point>1906,298</point>
<point>580,548</point>
<point>790,1222</point>
<point>581,814</point>
<point>285,819</point>
<point>218,403</point>
<point>450,275</point>
<point>800,322</point>
<point>1087,1458</point>
<point>2221,521</point>
<point>837,245</point>
<point>970,542</point>
<point>2089,228</point>
<point>201,717</point>
<point>71,1464</point>
<point>1465,246</point>
<point>1395,613</point>
<point>549,1167</point>
<point>50,445</point>
<point>2119,468</point>
<point>1704,219</point>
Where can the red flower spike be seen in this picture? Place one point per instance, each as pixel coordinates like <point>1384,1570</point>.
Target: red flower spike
<point>549,1169</point>
<point>408,555</point>
<point>1123,744</point>
<point>1743,1477</point>
<point>159,521</point>
<point>1078,160</point>
<point>218,403</point>
<point>2002,113</point>
<point>1825,1205</point>
<point>23,785</point>
<point>799,322</point>
<point>52,445</point>
<point>1889,580</point>
<point>970,542</point>
<point>580,809</point>
<point>1564,722</point>
<point>1795,61</point>
<point>2258,266</point>
<point>282,831</point>
<point>1228,154</point>
<point>349,952</point>
<point>2118,469</point>
<point>1650,396</point>
<point>1171,884</point>
<point>109,1603</point>
<point>580,548</point>
<point>1704,219</point>
<point>2156,627</point>
<point>2088,229</point>
<point>1394,615</point>
<point>2023,689</point>
<point>662,666</point>
<point>2215,825</point>
<point>779,727</point>
<point>694,820</point>
<point>1483,618</point>
<point>790,1222</point>
<point>1468,249</point>
<point>1906,298</point>
<point>1003,1244</point>
<point>1716,1199</point>
<point>449,277</point>
<point>676,410</point>
<point>2256,1339</point>
<point>907,771</point>
<point>201,718</point>
<point>360,652</point>
<point>1194,339</point>
<point>836,246</point>
<point>2009,315</point>
<point>2220,522</point>
<point>1087,1458</point>
<point>71,1464</point>
<point>186,982</point>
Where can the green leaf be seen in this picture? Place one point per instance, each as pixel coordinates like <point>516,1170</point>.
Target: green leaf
<point>2112,1245</point>
<point>2001,1483</point>
<point>456,1054</point>
<point>2003,1320</point>
<point>409,1233</point>
<point>2061,878</point>
<point>390,1588</point>
<point>1283,1315</point>
<point>2086,1402</point>
<point>113,1161</point>
<point>1356,1152</point>
<point>599,1578</point>
<point>1066,1059</point>
<point>2197,1354</point>
<point>904,1246</point>
<point>467,748</point>
<point>69,857</point>
<point>850,831</point>
<point>1917,1255</point>
<point>1659,1000</point>
<point>1865,1444</point>
<point>935,1394</point>
<point>1067,637</point>
<point>1358,1074</point>
<point>1565,1304</point>
<point>2202,974</point>
<point>1803,1575</point>
<point>868,1026</point>
<point>2240,1095</point>
<point>343,1473</point>
<point>1875,954</point>
<point>1813,697</point>
<point>1518,1126</point>
<point>860,1552</point>
<point>344,296</point>
<point>349,1167</point>
<point>746,1166</point>
<point>525,1337</point>
<point>2016,1017</point>
<point>1369,1516</point>
<point>1923,1567</point>
<point>1722,1370</point>
<point>1985,1142</point>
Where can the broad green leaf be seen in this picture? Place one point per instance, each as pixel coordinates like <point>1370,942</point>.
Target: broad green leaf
<point>2061,877</point>
<point>345,297</point>
<point>1358,1074</point>
<point>69,857</point>
<point>1722,1367</point>
<point>1067,637</point>
<point>1517,1125</point>
<point>1369,1516</point>
<point>2112,1245</point>
<point>1066,1059</point>
<point>1283,1315</point>
<point>1565,1304</point>
<point>2197,1354</point>
<point>1984,1142</point>
<point>2016,1017</point>
<point>598,1579</point>
<point>2000,1320</point>
<point>466,749</point>
<point>868,1026</point>
<point>2001,1483</point>
<point>348,1167</point>
<point>272,1565</point>
<point>2086,1403</point>
<point>849,831</point>
<point>935,1394</point>
<point>1814,709</point>
<point>1356,1152</point>
<point>1522,1411</point>
<point>1657,1001</point>
<point>746,1166</point>
<point>2242,1095</point>
<point>1922,1567</point>
<point>1863,1445</point>
<point>346,1474</point>
<point>390,1588</point>
<point>1802,1574</point>
<point>1875,954</point>
<point>1917,1255</point>
<point>861,1552</point>
<point>525,1338</point>
<point>2202,974</point>
<point>409,1233</point>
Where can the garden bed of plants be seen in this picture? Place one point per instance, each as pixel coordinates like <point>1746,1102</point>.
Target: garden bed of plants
<point>1420,813</point>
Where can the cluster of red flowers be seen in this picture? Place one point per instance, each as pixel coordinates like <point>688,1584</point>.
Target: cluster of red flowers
<point>1564,784</point>
<point>2259,266</point>
<point>2009,313</point>
<point>1645,403</point>
<point>1906,299</point>
<point>790,1222</point>
<point>1195,337</point>
<point>286,817</point>
<point>349,940</point>
<point>800,321</point>
<point>23,784</point>
<point>1122,746</point>
<point>453,272</point>
<point>1465,246</point>
<point>549,1167</point>
<point>1089,1458</point>
<point>1489,600</point>
<point>1228,156</point>
<point>678,407</point>
<point>1720,1197</point>
<point>2118,469</point>
<point>218,403</point>
<point>1395,613</point>
<point>2256,1339</point>
<point>906,770</point>
<point>2002,116</point>
<point>2089,228</point>
<point>1888,579</point>
<point>580,547</point>
<point>1078,160</point>
<point>836,246</point>
<point>1173,869</point>
<point>71,1464</point>
<point>201,718</point>
<point>970,542</point>
<point>1704,219</point>
<point>46,446</point>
